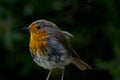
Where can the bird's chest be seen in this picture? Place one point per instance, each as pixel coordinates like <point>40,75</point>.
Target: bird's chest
<point>49,54</point>
<point>51,61</point>
<point>37,44</point>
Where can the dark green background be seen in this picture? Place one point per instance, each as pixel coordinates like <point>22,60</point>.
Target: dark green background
<point>95,25</point>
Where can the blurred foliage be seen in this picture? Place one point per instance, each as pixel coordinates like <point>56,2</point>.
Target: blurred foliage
<point>95,25</point>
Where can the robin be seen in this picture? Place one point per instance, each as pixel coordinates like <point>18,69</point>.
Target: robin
<point>50,48</point>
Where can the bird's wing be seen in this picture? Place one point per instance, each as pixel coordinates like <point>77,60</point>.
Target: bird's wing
<point>75,58</point>
<point>67,34</point>
<point>62,37</point>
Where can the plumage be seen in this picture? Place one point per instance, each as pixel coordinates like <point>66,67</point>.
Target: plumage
<point>50,48</point>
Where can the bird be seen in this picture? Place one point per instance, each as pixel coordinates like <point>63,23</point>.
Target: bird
<point>50,48</point>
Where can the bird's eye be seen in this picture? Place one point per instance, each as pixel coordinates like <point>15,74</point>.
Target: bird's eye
<point>38,27</point>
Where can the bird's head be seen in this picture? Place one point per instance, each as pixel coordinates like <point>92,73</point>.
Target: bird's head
<point>41,26</point>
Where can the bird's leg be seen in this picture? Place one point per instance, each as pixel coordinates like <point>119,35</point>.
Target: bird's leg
<point>49,74</point>
<point>62,74</point>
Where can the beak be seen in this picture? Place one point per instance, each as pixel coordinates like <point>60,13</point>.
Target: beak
<point>26,28</point>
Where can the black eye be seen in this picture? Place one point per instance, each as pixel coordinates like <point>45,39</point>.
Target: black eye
<point>38,27</point>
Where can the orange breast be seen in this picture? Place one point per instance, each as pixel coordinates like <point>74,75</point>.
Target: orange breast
<point>38,41</point>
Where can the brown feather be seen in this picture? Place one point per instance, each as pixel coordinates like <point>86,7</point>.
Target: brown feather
<point>80,64</point>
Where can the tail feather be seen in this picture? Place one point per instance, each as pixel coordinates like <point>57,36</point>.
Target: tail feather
<point>80,64</point>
